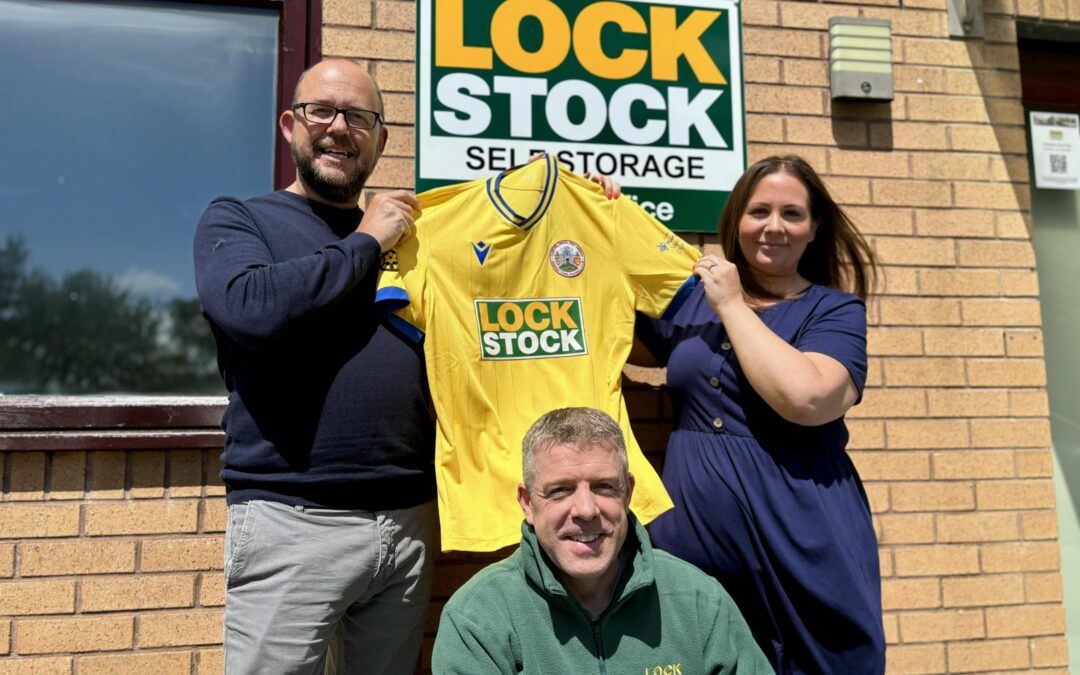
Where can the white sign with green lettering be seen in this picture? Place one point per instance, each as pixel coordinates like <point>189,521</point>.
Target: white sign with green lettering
<point>647,92</point>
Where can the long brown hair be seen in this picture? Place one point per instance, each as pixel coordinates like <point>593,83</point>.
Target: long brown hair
<point>838,257</point>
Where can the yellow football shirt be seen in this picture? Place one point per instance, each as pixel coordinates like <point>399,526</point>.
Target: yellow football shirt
<point>522,314</point>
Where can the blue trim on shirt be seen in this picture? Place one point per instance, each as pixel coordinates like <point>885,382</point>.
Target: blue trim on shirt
<point>407,329</point>
<point>390,299</point>
<point>546,195</point>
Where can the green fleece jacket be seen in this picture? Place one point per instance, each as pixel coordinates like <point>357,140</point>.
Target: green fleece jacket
<point>666,618</point>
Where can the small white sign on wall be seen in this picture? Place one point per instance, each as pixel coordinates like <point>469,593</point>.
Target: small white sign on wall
<point>1055,149</point>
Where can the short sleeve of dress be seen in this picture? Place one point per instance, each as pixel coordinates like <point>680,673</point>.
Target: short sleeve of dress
<point>837,329</point>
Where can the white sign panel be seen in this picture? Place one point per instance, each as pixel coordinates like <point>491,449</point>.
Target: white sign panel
<point>1055,147</point>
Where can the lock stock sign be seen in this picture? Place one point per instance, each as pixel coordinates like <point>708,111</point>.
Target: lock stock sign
<point>647,92</point>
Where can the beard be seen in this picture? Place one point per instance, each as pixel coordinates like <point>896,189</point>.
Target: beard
<point>335,188</point>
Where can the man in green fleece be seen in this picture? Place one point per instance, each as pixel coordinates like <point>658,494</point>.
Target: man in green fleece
<point>585,592</point>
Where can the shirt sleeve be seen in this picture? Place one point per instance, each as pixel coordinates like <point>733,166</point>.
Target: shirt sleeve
<point>256,299</point>
<point>656,261</point>
<point>400,290</point>
<point>838,330</point>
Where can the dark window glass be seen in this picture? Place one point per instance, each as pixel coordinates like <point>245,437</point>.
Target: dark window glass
<point>123,121</point>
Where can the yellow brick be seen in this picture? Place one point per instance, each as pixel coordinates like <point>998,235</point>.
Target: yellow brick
<point>811,15</point>
<point>910,594</point>
<point>892,465</point>
<point>147,474</point>
<point>876,220</point>
<point>51,665</point>
<point>908,529</point>
<point>1024,342</point>
<point>1000,29</point>
<point>764,129</point>
<point>5,637</point>
<point>395,15</point>
<point>374,44</point>
<point>347,12</point>
<point>848,191</point>
<point>401,142</point>
<point>891,626</point>
<point>806,72</point>
<point>1010,433</point>
<point>1049,652</point>
<point>949,165</point>
<point>960,528</point>
<point>958,282</point>
<point>910,22</point>
<point>961,464</point>
<point>214,486</point>
<point>1074,10</point>
<point>1054,10</point>
<point>33,520</point>
<point>878,496</point>
<point>761,69</point>
<point>923,372</point>
<point>886,562</point>
<point>76,557</point>
<point>23,598</point>
<point>1034,463</point>
<point>1009,169</point>
<point>967,657</point>
<point>7,560</point>
<point>986,139</point>
<point>1022,283</point>
<point>954,223</point>
<point>943,108</point>
<point>1013,225</point>
<point>907,136</point>
<point>941,625</point>
<point>780,42</point>
<point>211,590</point>
<point>894,341</point>
<point>400,109</point>
<point>118,593</point>
<point>910,193</point>
<point>1005,622</point>
<point>210,661</point>
<point>919,79</point>
<point>939,560</point>
<point>152,517</point>
<point>173,629</point>
<point>1043,587</point>
<point>992,195</point>
<point>996,254</point>
<point>1039,524</point>
<point>915,659</point>
<point>919,311</point>
<point>932,496</point>
<point>396,76</point>
<point>912,251</point>
<point>1010,312</point>
<point>1025,557</point>
<point>983,82</point>
<point>815,156</point>
<point>215,515</point>
<point>1032,493</point>
<point>162,663</point>
<point>866,163</point>
<point>934,52</point>
<point>68,475</point>
<point>185,473</point>
<point>75,635</point>
<point>898,281</point>
<point>107,471</point>
<point>783,99</point>
<point>983,590</point>
<point>963,341</point>
<point>890,403</point>
<point>1006,372</point>
<point>195,553</point>
<point>1001,57</point>
<point>27,476</point>
<point>866,435</point>
<point>393,173</point>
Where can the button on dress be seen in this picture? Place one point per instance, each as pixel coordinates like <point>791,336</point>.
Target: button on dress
<point>774,510</point>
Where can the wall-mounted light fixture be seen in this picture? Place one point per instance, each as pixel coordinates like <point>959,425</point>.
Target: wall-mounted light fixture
<point>860,59</point>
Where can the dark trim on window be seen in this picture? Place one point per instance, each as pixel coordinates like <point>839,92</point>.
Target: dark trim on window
<point>110,422</point>
<point>300,48</point>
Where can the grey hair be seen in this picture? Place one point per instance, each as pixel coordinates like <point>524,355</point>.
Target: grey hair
<point>580,427</point>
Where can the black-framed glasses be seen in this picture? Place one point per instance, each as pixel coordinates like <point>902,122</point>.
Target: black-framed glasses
<point>355,118</point>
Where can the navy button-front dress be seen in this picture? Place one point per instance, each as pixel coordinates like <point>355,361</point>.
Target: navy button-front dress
<point>774,510</point>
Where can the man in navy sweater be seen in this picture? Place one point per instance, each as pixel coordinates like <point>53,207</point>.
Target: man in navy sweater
<point>329,439</point>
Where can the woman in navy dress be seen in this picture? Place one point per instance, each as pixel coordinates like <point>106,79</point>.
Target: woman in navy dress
<point>764,359</point>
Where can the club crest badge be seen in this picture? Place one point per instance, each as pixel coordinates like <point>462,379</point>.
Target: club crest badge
<point>567,258</point>
<point>389,261</point>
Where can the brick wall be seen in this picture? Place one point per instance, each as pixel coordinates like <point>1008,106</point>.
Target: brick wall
<point>110,574</point>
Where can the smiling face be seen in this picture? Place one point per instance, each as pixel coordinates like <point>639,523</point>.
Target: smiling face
<point>776,226</point>
<point>578,504</point>
<point>333,161</point>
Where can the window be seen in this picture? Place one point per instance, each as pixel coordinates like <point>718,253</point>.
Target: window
<point>124,121</point>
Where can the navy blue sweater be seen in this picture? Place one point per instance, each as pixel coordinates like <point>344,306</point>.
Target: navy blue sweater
<point>328,406</point>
